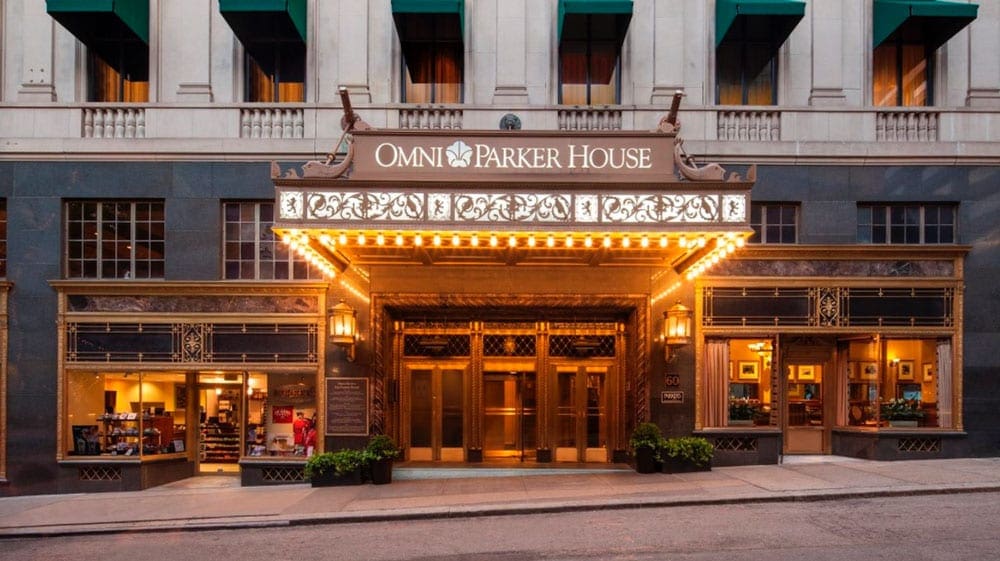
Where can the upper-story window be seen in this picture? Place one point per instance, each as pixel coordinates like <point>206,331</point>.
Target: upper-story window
<point>774,223</point>
<point>907,223</point>
<point>433,63</point>
<point>905,36</point>
<point>114,240</point>
<point>589,59</point>
<point>124,78</point>
<point>275,71</point>
<point>747,39</point>
<point>252,251</point>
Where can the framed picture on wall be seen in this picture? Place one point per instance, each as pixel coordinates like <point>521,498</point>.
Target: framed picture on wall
<point>906,369</point>
<point>928,371</point>
<point>791,372</point>
<point>807,372</point>
<point>868,370</point>
<point>749,370</point>
<point>852,371</point>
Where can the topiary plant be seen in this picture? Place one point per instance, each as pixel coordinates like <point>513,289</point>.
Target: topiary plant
<point>646,435</point>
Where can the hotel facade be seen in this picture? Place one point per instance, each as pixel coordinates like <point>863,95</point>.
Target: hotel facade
<point>237,232</point>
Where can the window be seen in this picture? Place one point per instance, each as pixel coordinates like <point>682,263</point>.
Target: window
<point>114,240</point>
<point>3,238</point>
<point>902,74</point>
<point>738,383</point>
<point>252,251</point>
<point>121,76</point>
<point>746,68</point>
<point>906,224</point>
<point>589,62</point>
<point>774,223</point>
<point>433,58</point>
<point>275,71</point>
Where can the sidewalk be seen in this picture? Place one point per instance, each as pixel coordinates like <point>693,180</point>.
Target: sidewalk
<point>217,502</point>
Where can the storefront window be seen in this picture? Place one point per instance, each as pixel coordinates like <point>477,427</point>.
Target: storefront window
<point>739,383</point>
<point>281,415</point>
<point>899,383</point>
<point>125,414</point>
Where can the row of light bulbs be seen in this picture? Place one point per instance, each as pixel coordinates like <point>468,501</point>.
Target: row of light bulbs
<point>724,246</point>
<point>496,240</point>
<point>300,244</point>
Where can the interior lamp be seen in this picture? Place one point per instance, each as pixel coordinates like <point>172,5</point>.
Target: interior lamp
<point>676,329</point>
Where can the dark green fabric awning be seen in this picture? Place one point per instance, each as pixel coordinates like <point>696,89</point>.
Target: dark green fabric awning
<point>585,7</point>
<point>781,15</point>
<point>935,21</point>
<point>455,8</point>
<point>99,20</point>
<point>265,20</point>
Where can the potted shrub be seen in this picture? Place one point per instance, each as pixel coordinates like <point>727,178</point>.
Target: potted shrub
<point>381,451</point>
<point>741,412</point>
<point>335,468</point>
<point>646,438</point>
<point>902,412</point>
<point>685,454</point>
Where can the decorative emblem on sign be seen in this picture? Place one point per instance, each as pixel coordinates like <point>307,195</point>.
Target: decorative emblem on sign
<point>459,154</point>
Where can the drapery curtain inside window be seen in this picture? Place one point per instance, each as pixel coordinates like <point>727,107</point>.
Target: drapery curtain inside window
<point>894,61</point>
<point>716,382</point>
<point>944,369</point>
<point>108,85</point>
<point>275,72</point>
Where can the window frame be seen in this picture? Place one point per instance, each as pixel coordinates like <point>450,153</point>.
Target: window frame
<point>761,229</point>
<point>277,47</point>
<point>890,226</point>
<point>743,44</point>
<point>438,44</point>
<point>588,41</point>
<point>100,262</point>
<point>292,263</point>
<point>899,43</point>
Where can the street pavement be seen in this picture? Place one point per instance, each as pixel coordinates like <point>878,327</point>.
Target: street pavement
<point>422,492</point>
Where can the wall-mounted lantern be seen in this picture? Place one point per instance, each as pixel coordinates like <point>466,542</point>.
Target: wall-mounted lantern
<point>343,322</point>
<point>676,330</point>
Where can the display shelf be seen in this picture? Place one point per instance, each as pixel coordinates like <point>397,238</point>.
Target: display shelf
<point>220,443</point>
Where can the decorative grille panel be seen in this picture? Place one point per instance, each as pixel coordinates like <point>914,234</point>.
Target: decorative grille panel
<point>100,473</point>
<point>436,345</point>
<point>736,443</point>
<point>509,345</point>
<point>582,345</point>
<point>918,444</point>
<point>283,474</point>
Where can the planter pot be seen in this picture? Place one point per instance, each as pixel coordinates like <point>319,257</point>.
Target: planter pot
<point>741,422</point>
<point>677,465</point>
<point>645,460</point>
<point>381,472</point>
<point>903,424</point>
<point>332,479</point>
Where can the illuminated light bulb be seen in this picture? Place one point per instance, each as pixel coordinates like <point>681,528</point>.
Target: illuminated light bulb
<point>324,239</point>
<point>715,258</point>
<point>418,240</point>
<point>399,239</point>
<point>494,241</point>
<point>293,244</point>
<point>690,275</point>
<point>730,247</point>
<point>644,242</point>
<point>286,239</point>
<point>551,241</point>
<point>304,239</point>
<point>682,242</point>
<point>531,241</point>
<point>474,240</point>
<point>588,241</point>
<point>663,241</point>
<point>456,240</point>
<point>569,241</point>
<point>607,241</point>
<point>343,239</point>
<point>361,239</point>
<point>436,240</point>
<point>512,241</point>
<point>702,241</point>
<point>740,242</point>
<point>626,242</point>
<point>380,239</point>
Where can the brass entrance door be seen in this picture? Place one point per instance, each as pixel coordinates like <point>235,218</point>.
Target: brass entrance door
<point>581,419</point>
<point>510,415</point>
<point>437,413</point>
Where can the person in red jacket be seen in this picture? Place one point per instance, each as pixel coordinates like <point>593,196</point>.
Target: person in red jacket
<point>299,428</point>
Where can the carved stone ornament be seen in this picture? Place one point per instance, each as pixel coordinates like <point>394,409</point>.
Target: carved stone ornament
<point>709,172</point>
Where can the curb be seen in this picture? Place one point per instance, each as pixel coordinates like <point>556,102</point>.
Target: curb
<point>471,511</point>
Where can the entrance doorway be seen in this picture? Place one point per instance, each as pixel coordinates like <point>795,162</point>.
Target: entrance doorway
<point>581,414</point>
<point>221,422</point>
<point>437,413</point>
<point>510,415</point>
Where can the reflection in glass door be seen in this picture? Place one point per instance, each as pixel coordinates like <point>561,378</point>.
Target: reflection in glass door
<point>509,415</point>
<point>581,414</point>
<point>437,414</point>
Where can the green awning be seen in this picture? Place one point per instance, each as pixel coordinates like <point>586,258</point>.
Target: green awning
<point>265,20</point>
<point>451,8</point>
<point>92,21</point>
<point>780,15</point>
<point>117,31</point>
<point>935,21</point>
<point>590,7</point>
